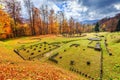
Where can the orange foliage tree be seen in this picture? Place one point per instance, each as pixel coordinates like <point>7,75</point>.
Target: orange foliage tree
<point>5,25</point>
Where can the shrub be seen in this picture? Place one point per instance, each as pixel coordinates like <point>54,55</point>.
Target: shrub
<point>106,44</point>
<point>88,63</point>
<point>89,77</point>
<point>40,44</point>
<point>64,50</point>
<point>82,74</point>
<point>45,42</point>
<point>29,58</point>
<point>85,75</point>
<point>83,49</point>
<point>60,57</point>
<point>36,46</point>
<point>79,72</point>
<point>24,49</point>
<point>32,53</point>
<point>34,49</point>
<point>39,51</point>
<point>105,40</point>
<point>110,54</point>
<point>72,62</point>
<point>72,69</point>
<point>75,70</point>
<point>58,46</point>
<point>28,51</point>
<point>44,48</point>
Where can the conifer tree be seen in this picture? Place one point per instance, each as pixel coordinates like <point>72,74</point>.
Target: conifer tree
<point>118,26</point>
<point>97,27</point>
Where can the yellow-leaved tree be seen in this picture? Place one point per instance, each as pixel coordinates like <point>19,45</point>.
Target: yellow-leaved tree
<point>5,25</point>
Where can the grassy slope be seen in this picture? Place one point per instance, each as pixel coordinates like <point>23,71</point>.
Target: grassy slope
<point>13,67</point>
<point>111,63</point>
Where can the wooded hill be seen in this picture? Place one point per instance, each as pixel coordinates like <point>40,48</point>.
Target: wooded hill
<point>109,24</point>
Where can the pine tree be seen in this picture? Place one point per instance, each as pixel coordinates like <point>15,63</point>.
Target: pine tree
<point>118,26</point>
<point>97,27</point>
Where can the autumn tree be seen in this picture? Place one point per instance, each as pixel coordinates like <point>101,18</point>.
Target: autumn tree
<point>44,13</point>
<point>78,29</point>
<point>5,25</point>
<point>51,21</point>
<point>65,27</point>
<point>61,18</point>
<point>13,7</point>
<point>103,27</point>
<point>29,8</point>
<point>37,22</point>
<point>71,25</point>
<point>55,29</point>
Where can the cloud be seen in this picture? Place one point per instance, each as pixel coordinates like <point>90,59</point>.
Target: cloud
<point>117,6</point>
<point>82,9</point>
<point>89,9</point>
<point>72,9</point>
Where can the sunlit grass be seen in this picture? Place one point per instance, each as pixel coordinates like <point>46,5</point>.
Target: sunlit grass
<point>80,55</point>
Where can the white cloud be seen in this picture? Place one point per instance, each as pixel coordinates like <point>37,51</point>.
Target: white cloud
<point>51,5</point>
<point>74,9</point>
<point>117,6</point>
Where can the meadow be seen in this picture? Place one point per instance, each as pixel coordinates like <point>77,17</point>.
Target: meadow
<point>79,55</point>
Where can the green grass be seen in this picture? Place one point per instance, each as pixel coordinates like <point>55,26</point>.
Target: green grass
<point>110,61</point>
<point>36,50</point>
<point>80,55</point>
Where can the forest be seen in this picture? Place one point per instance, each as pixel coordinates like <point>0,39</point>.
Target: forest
<point>59,40</point>
<point>39,21</point>
<point>42,21</point>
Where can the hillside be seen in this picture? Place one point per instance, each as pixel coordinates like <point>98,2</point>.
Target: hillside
<point>13,67</point>
<point>78,55</point>
<point>109,24</point>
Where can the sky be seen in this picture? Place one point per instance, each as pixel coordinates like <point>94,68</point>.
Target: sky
<point>82,10</point>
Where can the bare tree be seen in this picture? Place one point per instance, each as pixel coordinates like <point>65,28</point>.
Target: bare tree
<point>78,28</point>
<point>71,24</point>
<point>44,19</point>
<point>13,7</point>
<point>61,20</point>
<point>51,20</point>
<point>29,6</point>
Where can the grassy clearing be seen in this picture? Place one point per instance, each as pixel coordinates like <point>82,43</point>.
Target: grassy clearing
<point>112,63</point>
<point>14,68</point>
<point>84,59</point>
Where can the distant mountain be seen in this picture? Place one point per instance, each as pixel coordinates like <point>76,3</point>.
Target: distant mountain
<point>89,21</point>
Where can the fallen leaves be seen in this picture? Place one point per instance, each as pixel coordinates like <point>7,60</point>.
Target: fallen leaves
<point>29,71</point>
